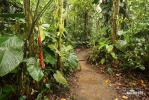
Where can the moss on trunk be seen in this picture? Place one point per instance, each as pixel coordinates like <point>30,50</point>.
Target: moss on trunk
<point>114,19</point>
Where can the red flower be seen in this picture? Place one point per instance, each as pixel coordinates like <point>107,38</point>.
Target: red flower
<point>39,40</point>
<point>41,60</point>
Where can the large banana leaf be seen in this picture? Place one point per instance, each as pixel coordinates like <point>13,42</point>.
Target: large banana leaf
<point>11,53</point>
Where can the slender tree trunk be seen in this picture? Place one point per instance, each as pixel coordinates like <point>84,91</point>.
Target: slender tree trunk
<point>28,36</point>
<point>114,23</point>
<point>124,15</point>
<point>59,62</point>
<point>28,50</point>
<point>86,22</point>
<point>65,7</point>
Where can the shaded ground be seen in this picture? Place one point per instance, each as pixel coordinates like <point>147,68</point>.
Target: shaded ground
<point>89,84</point>
<point>95,83</point>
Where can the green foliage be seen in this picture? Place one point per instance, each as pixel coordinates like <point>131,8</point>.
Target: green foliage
<point>102,61</point>
<point>3,97</point>
<point>0,90</point>
<point>72,59</point>
<point>84,26</point>
<point>78,28</point>
<point>134,52</point>
<point>34,69</point>
<point>69,59</point>
<point>10,41</point>
<point>121,45</point>
<point>11,53</point>
<point>110,70</point>
<point>96,1</point>
<point>9,89</point>
<point>19,15</point>
<point>59,78</point>
<point>23,97</point>
<point>109,48</point>
<point>49,56</point>
<point>131,46</point>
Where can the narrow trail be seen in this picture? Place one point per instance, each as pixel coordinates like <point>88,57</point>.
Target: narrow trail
<point>90,84</point>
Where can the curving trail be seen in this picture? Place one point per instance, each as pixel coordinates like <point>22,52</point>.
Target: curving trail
<point>91,85</point>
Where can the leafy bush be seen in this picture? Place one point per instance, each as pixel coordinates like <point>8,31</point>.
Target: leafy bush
<point>133,51</point>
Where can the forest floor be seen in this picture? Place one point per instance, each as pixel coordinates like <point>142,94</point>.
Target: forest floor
<point>89,84</point>
<point>93,82</point>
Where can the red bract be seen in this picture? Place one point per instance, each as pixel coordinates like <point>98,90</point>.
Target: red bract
<point>39,40</point>
<point>41,60</point>
<point>41,55</point>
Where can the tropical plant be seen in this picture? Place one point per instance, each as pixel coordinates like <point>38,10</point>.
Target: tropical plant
<point>31,50</point>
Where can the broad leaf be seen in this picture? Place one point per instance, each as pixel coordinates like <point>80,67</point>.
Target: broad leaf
<point>102,44</point>
<point>11,53</point>
<point>23,97</point>
<point>9,88</point>
<point>121,33</point>
<point>72,59</point>
<point>34,69</point>
<point>49,56</point>
<point>142,25</point>
<point>10,41</point>
<point>121,45</point>
<point>10,58</point>
<point>42,35</point>
<point>53,47</point>
<point>109,48</point>
<point>102,61</point>
<point>113,55</point>
<point>59,78</point>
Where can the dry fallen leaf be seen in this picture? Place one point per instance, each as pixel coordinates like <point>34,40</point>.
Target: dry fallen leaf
<point>118,74</point>
<point>107,81</point>
<point>143,85</point>
<point>119,84</point>
<point>116,99</point>
<point>141,81</point>
<point>124,97</point>
<point>133,83</point>
<point>63,99</point>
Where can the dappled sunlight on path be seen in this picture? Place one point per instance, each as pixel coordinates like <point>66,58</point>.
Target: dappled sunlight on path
<point>90,84</point>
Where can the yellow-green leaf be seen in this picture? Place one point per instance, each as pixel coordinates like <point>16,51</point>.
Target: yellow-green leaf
<point>42,35</point>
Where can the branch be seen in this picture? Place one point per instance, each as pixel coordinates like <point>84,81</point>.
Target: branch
<point>35,19</point>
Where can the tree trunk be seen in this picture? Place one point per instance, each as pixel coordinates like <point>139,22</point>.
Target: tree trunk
<point>59,62</point>
<point>86,22</point>
<point>114,23</point>
<point>124,15</point>
<point>28,49</point>
<point>65,7</point>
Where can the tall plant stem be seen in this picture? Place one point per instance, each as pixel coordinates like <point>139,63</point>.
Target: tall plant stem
<point>36,17</point>
<point>114,22</point>
<point>59,62</point>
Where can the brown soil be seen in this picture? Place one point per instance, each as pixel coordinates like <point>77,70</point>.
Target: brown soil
<point>95,83</point>
<point>88,84</point>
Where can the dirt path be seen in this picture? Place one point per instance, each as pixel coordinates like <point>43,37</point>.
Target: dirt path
<point>91,85</point>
